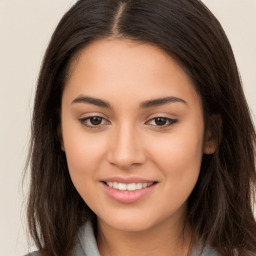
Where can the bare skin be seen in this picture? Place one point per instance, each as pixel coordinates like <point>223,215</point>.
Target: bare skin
<point>131,116</point>
<point>159,240</point>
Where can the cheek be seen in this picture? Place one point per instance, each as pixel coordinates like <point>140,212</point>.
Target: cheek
<point>180,148</point>
<point>179,158</point>
<point>179,162</point>
<point>83,152</point>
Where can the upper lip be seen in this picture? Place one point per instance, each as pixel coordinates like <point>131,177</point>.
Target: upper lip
<point>127,180</point>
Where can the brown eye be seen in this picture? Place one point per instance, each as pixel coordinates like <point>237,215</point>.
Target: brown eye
<point>95,120</point>
<point>161,121</point>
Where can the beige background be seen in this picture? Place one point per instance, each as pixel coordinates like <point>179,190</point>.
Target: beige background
<point>25,29</point>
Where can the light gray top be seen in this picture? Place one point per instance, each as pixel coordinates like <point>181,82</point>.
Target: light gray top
<point>87,246</point>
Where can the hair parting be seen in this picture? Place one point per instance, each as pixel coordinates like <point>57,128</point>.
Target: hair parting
<point>220,211</point>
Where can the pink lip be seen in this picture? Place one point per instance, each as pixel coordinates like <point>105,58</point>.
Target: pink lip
<point>128,180</point>
<point>124,196</point>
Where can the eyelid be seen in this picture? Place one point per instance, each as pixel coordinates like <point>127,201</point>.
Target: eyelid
<point>171,121</point>
<point>85,119</point>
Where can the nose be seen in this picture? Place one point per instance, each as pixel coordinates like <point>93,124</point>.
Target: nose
<point>126,148</point>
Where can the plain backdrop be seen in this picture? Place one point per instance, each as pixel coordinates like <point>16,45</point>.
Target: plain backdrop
<point>25,30</point>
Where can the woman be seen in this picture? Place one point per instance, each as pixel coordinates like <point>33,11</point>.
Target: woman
<point>142,142</point>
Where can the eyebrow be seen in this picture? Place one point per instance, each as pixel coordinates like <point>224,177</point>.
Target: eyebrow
<point>161,101</point>
<point>145,104</point>
<point>90,100</point>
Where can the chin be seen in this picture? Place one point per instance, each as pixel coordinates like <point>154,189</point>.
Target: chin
<point>131,225</point>
<point>131,222</point>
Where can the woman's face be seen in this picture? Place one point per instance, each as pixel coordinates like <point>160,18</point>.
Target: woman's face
<point>133,133</point>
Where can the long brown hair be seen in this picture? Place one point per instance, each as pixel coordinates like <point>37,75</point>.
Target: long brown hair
<point>220,206</point>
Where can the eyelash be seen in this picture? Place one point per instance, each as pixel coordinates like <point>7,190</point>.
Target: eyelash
<point>88,122</point>
<point>167,120</point>
<point>85,121</point>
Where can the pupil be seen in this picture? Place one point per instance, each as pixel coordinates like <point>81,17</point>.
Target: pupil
<point>96,120</point>
<point>160,121</point>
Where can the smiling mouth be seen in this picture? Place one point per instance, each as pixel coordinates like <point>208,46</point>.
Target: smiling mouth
<point>128,186</point>
<point>127,191</point>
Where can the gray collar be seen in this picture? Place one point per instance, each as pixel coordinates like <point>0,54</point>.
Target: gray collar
<point>87,245</point>
<point>86,241</point>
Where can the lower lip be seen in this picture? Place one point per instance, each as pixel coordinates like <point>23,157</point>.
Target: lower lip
<point>125,196</point>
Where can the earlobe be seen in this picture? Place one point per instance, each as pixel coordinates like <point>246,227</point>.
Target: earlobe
<point>62,146</point>
<point>212,136</point>
<point>210,147</point>
<point>60,138</point>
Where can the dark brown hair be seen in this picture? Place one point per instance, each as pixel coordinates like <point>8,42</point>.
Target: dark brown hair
<point>220,206</point>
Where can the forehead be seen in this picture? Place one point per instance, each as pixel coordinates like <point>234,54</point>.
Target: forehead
<point>122,52</point>
<point>133,68</point>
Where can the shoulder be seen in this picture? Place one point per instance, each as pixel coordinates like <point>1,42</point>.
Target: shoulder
<point>32,254</point>
<point>85,242</point>
<point>205,252</point>
<point>210,252</point>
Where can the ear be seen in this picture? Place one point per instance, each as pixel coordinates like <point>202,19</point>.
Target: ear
<point>212,137</point>
<point>60,138</point>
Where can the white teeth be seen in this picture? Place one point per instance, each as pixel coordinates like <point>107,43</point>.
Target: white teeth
<point>122,186</point>
<point>144,185</point>
<point>129,186</point>
<point>139,185</point>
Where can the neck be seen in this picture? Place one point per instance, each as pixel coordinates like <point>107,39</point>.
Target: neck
<point>162,240</point>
